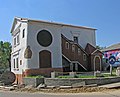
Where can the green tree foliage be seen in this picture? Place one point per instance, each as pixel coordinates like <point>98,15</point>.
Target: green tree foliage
<point>5,55</point>
<point>99,47</point>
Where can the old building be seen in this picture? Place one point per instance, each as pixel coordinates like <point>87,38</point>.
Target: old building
<point>113,50</point>
<point>40,47</point>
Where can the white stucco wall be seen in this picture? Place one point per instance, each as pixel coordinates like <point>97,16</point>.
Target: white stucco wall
<point>85,36</point>
<point>18,50</point>
<point>54,48</point>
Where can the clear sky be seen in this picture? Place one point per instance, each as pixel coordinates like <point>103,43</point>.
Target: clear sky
<point>101,14</point>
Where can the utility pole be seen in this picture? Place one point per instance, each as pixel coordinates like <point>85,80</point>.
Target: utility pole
<point>110,69</point>
<point>112,61</point>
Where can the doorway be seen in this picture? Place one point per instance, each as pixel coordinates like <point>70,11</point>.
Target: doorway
<point>45,59</point>
<point>97,63</point>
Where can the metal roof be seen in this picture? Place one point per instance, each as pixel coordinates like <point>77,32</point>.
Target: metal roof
<point>112,47</point>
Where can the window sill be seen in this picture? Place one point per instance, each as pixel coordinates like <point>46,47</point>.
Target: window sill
<point>16,69</point>
<point>16,45</point>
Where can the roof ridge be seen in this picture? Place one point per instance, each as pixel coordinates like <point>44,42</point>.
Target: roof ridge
<point>57,23</point>
<point>112,47</point>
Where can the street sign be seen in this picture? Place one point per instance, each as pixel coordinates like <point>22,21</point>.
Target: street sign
<point>112,60</point>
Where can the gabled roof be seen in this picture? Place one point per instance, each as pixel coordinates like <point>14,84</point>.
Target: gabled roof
<point>112,47</point>
<point>90,49</point>
<point>61,24</point>
<point>15,20</point>
<point>96,51</point>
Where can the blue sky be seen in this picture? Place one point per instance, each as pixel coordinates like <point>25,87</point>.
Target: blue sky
<point>101,14</point>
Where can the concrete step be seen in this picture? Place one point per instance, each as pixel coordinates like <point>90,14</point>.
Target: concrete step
<point>77,85</point>
<point>91,85</point>
<point>65,87</point>
<point>110,86</point>
<point>10,88</point>
<point>50,87</point>
<point>2,84</point>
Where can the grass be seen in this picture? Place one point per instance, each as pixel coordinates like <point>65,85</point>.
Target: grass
<point>114,71</point>
<point>65,76</point>
<point>86,76</point>
<point>77,76</point>
<point>108,75</point>
<point>38,76</point>
<point>103,75</point>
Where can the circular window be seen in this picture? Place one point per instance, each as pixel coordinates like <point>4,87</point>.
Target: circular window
<point>44,38</point>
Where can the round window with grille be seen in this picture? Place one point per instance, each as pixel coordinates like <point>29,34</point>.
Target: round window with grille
<point>44,38</point>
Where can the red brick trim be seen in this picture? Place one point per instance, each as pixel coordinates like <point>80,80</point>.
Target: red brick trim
<point>41,71</point>
<point>19,79</point>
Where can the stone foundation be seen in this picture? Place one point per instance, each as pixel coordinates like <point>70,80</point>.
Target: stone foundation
<point>88,81</point>
<point>33,81</point>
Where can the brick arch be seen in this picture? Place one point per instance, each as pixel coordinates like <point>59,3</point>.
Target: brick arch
<point>45,59</point>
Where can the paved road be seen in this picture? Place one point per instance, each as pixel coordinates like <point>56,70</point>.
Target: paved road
<point>19,94</point>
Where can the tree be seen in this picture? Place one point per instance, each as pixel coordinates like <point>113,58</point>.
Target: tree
<point>99,47</point>
<point>5,55</point>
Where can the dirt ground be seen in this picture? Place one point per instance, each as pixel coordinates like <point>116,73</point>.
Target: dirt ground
<point>71,90</point>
